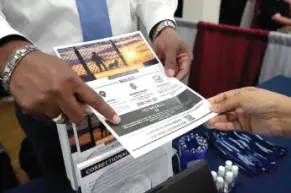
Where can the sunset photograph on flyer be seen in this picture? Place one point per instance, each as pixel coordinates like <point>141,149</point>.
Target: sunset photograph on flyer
<point>110,58</point>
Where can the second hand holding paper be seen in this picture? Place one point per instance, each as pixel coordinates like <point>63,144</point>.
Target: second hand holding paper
<point>153,108</point>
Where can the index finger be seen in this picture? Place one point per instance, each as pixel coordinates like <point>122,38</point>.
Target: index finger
<point>90,97</point>
<point>70,106</point>
<point>223,96</point>
<point>184,61</point>
<point>170,62</point>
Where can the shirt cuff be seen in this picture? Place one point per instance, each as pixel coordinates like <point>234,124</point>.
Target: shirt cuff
<point>157,16</point>
<point>7,30</point>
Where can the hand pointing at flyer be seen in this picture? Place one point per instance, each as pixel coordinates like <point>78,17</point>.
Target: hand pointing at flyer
<point>45,86</point>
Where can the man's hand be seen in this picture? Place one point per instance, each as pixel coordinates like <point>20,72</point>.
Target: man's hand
<point>174,53</point>
<point>252,109</point>
<point>44,86</point>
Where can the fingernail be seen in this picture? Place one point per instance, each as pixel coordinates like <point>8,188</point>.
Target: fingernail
<point>208,126</point>
<point>170,72</point>
<point>116,119</point>
<point>88,110</point>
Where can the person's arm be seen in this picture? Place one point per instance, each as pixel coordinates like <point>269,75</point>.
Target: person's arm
<point>283,112</point>
<point>172,50</point>
<point>253,110</point>
<point>33,88</point>
<point>151,12</point>
<point>278,18</point>
<point>10,41</point>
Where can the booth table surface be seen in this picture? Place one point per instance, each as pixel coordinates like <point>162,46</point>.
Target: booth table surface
<point>276,180</point>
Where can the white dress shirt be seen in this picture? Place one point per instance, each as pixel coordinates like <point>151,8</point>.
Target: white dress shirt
<point>49,23</point>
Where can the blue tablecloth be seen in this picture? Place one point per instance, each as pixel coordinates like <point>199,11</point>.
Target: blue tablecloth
<point>277,180</point>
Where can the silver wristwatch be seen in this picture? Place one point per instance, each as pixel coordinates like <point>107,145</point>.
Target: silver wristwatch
<point>12,63</point>
<point>160,26</point>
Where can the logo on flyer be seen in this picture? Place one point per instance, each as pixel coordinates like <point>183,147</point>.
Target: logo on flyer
<point>102,93</point>
<point>133,86</point>
<point>158,79</point>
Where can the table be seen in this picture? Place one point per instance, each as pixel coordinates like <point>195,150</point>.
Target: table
<point>277,180</point>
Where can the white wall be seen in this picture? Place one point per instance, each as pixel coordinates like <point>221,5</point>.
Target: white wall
<point>202,10</point>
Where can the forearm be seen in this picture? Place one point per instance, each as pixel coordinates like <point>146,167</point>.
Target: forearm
<point>8,47</point>
<point>283,111</point>
<point>281,19</point>
<point>152,12</point>
<point>10,40</point>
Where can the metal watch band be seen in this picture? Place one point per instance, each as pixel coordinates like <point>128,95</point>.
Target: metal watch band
<point>161,26</point>
<point>11,65</point>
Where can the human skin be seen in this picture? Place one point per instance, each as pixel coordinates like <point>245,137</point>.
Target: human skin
<point>253,110</point>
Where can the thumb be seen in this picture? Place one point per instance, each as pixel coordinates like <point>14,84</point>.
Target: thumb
<point>171,62</point>
<point>229,104</point>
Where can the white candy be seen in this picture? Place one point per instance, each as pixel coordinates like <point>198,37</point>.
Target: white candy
<point>228,184</point>
<point>228,165</point>
<point>229,177</point>
<point>219,183</point>
<point>214,175</point>
<point>221,171</point>
<point>234,170</point>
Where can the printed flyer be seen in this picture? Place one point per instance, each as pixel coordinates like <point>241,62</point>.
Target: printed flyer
<point>124,70</point>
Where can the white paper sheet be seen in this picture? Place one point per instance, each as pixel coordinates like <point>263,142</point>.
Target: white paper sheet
<point>117,171</point>
<point>154,109</point>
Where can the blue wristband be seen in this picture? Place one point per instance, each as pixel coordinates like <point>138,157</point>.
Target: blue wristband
<point>251,152</point>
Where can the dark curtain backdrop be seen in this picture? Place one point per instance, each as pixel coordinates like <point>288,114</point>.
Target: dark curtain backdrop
<point>179,11</point>
<point>225,58</point>
<point>255,23</point>
<point>231,11</point>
